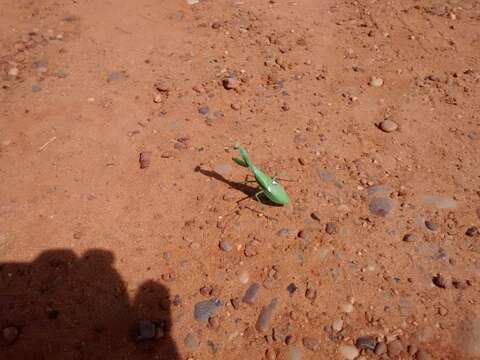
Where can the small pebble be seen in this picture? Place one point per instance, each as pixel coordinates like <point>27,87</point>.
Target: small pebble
<point>266,315</point>
<point>376,82</point>
<point>442,311</point>
<point>439,281</point>
<point>146,330</point>
<point>163,85</point>
<point>285,232</point>
<point>381,206</point>
<point>290,339</point>
<point>191,341</point>
<point>440,202</point>
<point>472,231</point>
<point>114,76</point>
<point>291,288</point>
<point>251,294</point>
<point>236,106</point>
<point>285,107</point>
<point>315,215</point>
<point>388,126</point>
<point>431,225</point>
<point>206,309</point>
<point>311,343</point>
<point>206,290</point>
<point>244,277</point>
<point>36,88</point>
<point>145,159</point>
<point>381,348</point>
<point>395,348</point>
<point>235,303</point>
<point>157,99</point>
<point>230,83</point>
<point>459,284</point>
<point>366,343</point>
<point>225,245</point>
<point>409,238</point>
<point>331,228</point>
<point>347,308</point>
<point>337,325</point>
<point>10,334</point>
<point>13,72</point>
<point>250,250</point>
<point>349,352</point>
<point>203,109</point>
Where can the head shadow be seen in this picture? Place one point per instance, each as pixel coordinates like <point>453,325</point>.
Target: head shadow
<point>62,306</point>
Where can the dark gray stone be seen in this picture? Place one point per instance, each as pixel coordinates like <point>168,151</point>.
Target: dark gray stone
<point>225,245</point>
<point>251,294</point>
<point>145,330</point>
<point>366,343</point>
<point>206,309</point>
<point>381,206</point>
<point>266,315</point>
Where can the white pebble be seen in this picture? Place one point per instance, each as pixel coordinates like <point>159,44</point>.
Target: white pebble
<point>244,277</point>
<point>376,82</point>
<point>347,308</point>
<point>337,325</point>
<point>13,72</point>
<point>388,126</point>
<point>349,352</point>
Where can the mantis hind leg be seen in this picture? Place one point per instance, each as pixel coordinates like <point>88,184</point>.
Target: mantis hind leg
<point>257,196</point>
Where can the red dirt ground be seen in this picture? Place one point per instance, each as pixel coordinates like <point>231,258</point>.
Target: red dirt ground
<point>90,242</point>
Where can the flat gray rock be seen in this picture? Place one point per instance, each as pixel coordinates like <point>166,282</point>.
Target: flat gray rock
<point>440,202</point>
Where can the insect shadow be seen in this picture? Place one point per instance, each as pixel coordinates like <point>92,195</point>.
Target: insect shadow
<point>250,191</point>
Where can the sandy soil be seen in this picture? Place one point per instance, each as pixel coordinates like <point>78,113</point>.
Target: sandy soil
<point>371,109</point>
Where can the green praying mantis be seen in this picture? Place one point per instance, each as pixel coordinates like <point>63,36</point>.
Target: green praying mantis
<point>267,186</point>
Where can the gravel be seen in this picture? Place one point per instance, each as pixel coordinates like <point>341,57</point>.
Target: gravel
<point>388,126</point>
<point>266,315</point>
<point>206,309</point>
<point>440,202</point>
<point>225,245</point>
<point>366,343</point>
<point>251,294</point>
<point>145,330</point>
<point>349,352</point>
<point>381,206</point>
<point>311,343</point>
<point>409,238</point>
<point>376,82</point>
<point>291,288</point>
<point>381,348</point>
<point>472,231</point>
<point>337,325</point>
<point>331,228</point>
<point>230,83</point>
<point>439,281</point>
<point>203,110</point>
<point>431,225</point>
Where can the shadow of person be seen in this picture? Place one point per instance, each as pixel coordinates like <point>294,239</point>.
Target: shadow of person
<point>61,306</point>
